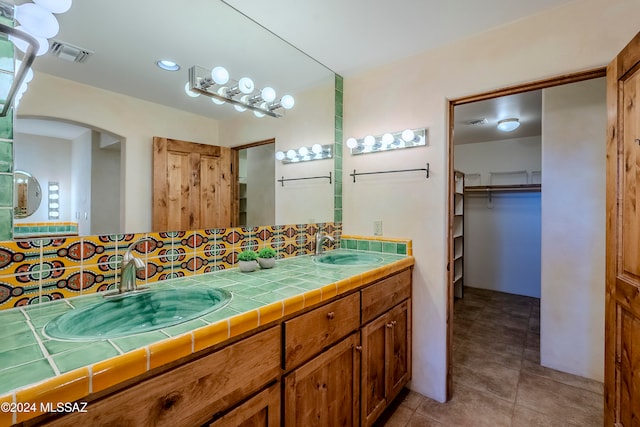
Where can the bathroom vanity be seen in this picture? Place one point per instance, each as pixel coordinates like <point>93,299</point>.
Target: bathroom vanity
<point>335,355</point>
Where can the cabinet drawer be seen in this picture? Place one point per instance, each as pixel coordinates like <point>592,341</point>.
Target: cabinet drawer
<point>192,393</point>
<point>380,297</point>
<point>311,332</point>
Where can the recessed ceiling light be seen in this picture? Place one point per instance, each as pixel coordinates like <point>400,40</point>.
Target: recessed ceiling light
<point>167,65</point>
<point>508,125</point>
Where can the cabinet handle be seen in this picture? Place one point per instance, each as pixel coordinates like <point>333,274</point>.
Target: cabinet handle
<point>393,323</point>
<point>389,325</point>
<point>331,315</point>
<point>359,348</point>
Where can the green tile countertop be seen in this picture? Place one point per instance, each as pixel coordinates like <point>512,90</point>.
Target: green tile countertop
<point>27,356</point>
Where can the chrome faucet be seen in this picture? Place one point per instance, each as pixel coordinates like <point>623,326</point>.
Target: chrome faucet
<point>128,267</point>
<point>321,236</point>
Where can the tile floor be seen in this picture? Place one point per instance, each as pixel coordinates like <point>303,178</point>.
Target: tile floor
<point>498,379</point>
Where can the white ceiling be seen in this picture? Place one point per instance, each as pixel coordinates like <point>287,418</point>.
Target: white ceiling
<point>346,36</point>
<point>350,36</point>
<point>526,106</point>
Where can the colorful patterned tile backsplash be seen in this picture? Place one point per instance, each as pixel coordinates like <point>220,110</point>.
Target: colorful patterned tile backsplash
<point>43,269</point>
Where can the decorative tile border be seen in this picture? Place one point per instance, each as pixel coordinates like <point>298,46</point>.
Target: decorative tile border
<point>337,158</point>
<point>45,269</point>
<point>377,244</point>
<point>41,229</point>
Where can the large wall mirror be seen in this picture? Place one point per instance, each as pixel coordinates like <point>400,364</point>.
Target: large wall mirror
<point>100,92</point>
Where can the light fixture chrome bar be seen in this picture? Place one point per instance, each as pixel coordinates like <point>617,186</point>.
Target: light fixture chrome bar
<point>388,141</point>
<point>19,76</point>
<point>315,152</point>
<point>201,83</point>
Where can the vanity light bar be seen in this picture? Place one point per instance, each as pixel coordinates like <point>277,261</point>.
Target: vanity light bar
<point>306,154</point>
<point>54,200</point>
<point>389,141</point>
<point>242,94</point>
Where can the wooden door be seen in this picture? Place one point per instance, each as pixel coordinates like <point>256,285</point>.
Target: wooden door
<point>399,349</point>
<point>622,319</point>
<point>192,185</point>
<point>325,392</point>
<point>375,365</point>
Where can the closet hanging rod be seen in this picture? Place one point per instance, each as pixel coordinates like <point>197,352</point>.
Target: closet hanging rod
<point>282,180</point>
<point>354,174</point>
<point>516,188</point>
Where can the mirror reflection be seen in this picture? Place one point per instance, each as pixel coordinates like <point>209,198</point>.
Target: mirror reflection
<point>84,164</point>
<point>27,194</point>
<point>115,88</point>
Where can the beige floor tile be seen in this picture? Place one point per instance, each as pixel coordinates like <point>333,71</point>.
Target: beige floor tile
<point>488,377</point>
<point>563,377</point>
<point>470,355</point>
<point>561,401</point>
<point>469,408</point>
<point>419,420</point>
<point>525,417</point>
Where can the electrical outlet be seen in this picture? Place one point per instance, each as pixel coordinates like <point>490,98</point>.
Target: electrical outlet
<point>377,228</point>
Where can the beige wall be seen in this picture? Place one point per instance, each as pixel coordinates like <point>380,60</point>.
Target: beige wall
<point>573,232</point>
<point>413,93</point>
<point>135,120</point>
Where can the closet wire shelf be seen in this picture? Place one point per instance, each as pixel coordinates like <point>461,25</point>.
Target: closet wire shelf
<point>283,180</point>
<point>354,174</point>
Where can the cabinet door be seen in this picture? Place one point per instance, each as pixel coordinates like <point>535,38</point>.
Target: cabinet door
<point>326,390</point>
<point>399,348</point>
<point>375,364</point>
<point>262,410</point>
<point>386,360</point>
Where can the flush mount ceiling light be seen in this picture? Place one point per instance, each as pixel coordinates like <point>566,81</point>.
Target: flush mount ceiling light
<point>508,125</point>
<point>242,94</point>
<point>167,65</point>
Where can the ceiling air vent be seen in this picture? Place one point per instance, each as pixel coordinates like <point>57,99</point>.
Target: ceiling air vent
<point>69,52</point>
<point>477,122</point>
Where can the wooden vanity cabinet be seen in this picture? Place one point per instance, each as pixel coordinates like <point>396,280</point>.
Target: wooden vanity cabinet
<point>338,364</point>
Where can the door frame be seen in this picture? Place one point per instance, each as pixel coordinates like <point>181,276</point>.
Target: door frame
<point>510,90</point>
<point>235,164</point>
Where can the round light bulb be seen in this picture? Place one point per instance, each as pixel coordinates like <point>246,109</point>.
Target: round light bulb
<point>220,75</point>
<point>279,155</point>
<point>53,188</point>
<point>167,65</point>
<point>268,94</point>
<point>287,102</point>
<point>246,85</point>
<point>316,148</point>
<point>42,46</point>
<point>387,139</point>
<point>37,20</point>
<point>240,108</point>
<point>217,101</point>
<point>258,114</point>
<point>189,92</point>
<point>54,6</point>
<point>291,154</point>
<point>369,141</point>
<point>303,151</point>
<point>408,135</point>
<point>352,142</point>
